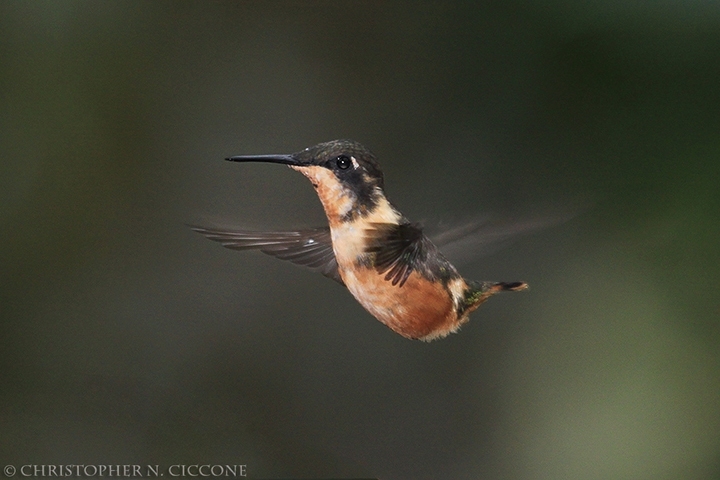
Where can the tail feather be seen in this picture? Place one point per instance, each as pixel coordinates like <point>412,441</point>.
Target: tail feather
<point>509,287</point>
<point>477,293</point>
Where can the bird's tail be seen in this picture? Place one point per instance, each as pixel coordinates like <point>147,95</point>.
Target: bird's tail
<point>478,292</point>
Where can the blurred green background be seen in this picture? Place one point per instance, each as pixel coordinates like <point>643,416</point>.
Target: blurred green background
<point>127,338</point>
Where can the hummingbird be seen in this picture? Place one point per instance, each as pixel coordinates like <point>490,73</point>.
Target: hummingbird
<point>386,262</point>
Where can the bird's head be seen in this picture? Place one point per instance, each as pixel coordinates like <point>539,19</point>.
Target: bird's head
<point>345,174</point>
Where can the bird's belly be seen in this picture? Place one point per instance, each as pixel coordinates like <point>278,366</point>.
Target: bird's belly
<point>420,309</point>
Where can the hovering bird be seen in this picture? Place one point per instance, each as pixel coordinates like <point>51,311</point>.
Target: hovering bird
<point>387,263</point>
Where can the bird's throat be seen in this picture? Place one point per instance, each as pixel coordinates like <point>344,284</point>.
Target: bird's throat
<point>343,205</point>
<point>336,199</point>
<point>349,218</point>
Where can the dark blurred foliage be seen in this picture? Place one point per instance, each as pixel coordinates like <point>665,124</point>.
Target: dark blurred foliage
<point>127,338</point>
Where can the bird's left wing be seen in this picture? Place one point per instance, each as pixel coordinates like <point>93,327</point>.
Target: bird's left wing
<point>399,249</point>
<point>310,248</point>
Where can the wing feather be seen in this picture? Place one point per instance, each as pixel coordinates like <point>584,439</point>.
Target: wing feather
<point>310,248</point>
<point>399,250</point>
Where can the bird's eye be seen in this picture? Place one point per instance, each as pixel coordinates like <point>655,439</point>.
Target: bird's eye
<point>343,162</point>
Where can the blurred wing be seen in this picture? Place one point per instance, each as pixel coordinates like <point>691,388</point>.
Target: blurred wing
<point>466,242</point>
<point>398,249</point>
<point>310,248</point>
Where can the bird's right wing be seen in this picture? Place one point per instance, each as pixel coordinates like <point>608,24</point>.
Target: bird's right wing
<point>310,248</point>
<point>468,241</point>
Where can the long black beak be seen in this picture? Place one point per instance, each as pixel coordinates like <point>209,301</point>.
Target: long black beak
<point>284,159</point>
